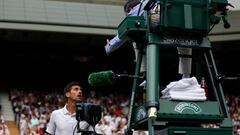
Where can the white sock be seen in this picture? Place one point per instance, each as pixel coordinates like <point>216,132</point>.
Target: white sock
<point>185,76</point>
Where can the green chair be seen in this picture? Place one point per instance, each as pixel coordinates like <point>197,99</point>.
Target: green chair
<point>183,23</point>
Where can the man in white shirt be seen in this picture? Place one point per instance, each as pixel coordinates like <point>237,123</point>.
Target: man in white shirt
<point>63,121</point>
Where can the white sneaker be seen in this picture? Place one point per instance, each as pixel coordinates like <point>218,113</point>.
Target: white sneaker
<point>143,84</point>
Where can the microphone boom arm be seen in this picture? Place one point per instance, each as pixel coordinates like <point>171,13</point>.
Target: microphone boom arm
<point>126,75</point>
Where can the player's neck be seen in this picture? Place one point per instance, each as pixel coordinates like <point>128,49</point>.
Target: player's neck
<point>71,107</point>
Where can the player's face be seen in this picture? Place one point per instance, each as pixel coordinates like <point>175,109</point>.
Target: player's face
<point>76,93</point>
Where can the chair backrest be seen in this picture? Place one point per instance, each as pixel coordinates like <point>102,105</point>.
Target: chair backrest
<point>184,17</point>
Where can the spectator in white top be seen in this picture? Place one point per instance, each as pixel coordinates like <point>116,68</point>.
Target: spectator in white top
<point>34,121</point>
<point>1,118</point>
<point>23,124</point>
<point>3,127</point>
<point>63,121</point>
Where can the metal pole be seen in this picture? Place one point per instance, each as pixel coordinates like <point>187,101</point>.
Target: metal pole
<point>134,88</point>
<point>152,84</point>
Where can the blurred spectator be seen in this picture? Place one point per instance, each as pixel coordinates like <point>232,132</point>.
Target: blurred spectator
<point>23,124</point>
<point>3,127</point>
<point>1,118</point>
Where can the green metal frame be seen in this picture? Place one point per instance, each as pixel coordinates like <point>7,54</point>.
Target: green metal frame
<point>190,30</point>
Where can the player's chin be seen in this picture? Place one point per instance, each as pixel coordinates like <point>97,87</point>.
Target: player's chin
<point>78,99</point>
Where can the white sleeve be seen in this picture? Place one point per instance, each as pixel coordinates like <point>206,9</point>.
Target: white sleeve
<point>51,126</point>
<point>114,44</point>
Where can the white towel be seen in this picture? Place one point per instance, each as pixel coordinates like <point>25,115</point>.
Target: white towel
<point>184,89</point>
<point>190,89</point>
<point>194,94</point>
<point>184,98</point>
<point>183,83</point>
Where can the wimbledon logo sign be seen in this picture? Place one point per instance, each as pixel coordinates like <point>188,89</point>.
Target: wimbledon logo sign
<point>180,107</point>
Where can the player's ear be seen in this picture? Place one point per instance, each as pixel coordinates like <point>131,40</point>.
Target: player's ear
<point>67,94</point>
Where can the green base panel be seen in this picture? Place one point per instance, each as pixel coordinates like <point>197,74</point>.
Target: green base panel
<point>194,131</point>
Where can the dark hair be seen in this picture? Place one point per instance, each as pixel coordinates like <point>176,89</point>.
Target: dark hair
<point>130,4</point>
<point>69,86</point>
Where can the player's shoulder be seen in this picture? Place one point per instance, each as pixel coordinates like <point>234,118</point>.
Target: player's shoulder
<point>58,111</point>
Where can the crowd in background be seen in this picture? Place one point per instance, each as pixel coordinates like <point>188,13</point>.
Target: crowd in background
<point>233,103</point>
<point>33,109</point>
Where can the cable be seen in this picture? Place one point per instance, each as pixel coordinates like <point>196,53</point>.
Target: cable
<point>85,129</point>
<point>75,128</point>
<point>211,28</point>
<point>94,130</point>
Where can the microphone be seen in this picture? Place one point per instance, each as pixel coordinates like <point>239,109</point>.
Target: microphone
<point>104,78</point>
<point>226,24</point>
<point>101,78</point>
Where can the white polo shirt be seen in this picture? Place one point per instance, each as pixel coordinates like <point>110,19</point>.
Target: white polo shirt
<point>63,122</point>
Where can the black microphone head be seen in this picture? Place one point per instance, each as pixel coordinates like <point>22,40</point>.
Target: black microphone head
<point>102,78</point>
